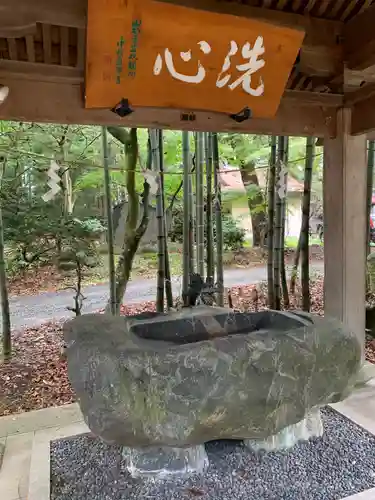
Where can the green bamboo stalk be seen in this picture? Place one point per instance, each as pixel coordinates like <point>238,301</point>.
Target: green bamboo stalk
<point>271,223</point>
<point>154,137</point>
<point>192,227</point>
<point>209,235</point>
<point>370,174</point>
<point>305,274</point>
<point>200,203</point>
<point>284,285</point>
<point>5,312</point>
<point>186,221</point>
<point>218,221</point>
<point>110,237</point>
<point>277,234</point>
<point>168,281</point>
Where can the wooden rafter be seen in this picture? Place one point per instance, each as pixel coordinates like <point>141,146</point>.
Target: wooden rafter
<point>321,53</point>
<point>57,12</point>
<point>359,40</point>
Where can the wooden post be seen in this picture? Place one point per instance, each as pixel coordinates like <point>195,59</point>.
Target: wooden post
<point>345,171</point>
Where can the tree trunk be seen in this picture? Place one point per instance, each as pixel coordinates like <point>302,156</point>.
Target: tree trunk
<point>256,203</point>
<point>199,180</point>
<point>154,138</point>
<point>270,225</point>
<point>187,214</point>
<point>133,234</point>
<point>108,199</point>
<point>218,221</point>
<point>294,273</point>
<point>68,192</point>
<point>305,278</point>
<point>5,313</point>
<point>209,234</point>
<point>66,182</point>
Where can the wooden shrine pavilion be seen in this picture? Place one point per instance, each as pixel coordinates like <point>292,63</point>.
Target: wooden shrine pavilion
<point>329,93</point>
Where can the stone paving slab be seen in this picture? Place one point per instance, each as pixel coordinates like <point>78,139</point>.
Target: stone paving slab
<point>39,419</point>
<point>14,473</point>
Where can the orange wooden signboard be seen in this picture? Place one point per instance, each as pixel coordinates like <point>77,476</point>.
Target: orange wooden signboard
<point>157,54</point>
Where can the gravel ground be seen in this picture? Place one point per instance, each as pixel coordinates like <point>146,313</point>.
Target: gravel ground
<point>338,465</point>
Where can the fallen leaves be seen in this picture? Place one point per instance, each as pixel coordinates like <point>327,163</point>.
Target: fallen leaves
<point>36,376</point>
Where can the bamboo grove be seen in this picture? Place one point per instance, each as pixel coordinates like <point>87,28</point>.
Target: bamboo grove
<point>200,192</point>
<point>202,252</point>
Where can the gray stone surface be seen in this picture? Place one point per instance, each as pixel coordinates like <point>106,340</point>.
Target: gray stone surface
<point>310,427</point>
<point>140,392</point>
<point>333,467</point>
<point>165,462</point>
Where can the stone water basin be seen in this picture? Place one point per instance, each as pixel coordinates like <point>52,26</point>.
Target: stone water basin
<point>175,381</point>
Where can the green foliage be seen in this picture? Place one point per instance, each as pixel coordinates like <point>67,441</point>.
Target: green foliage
<point>177,227</point>
<point>233,233</point>
<point>78,247</point>
<point>38,232</point>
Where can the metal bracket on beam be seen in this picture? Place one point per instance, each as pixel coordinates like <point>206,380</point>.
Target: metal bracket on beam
<point>241,116</point>
<point>123,108</point>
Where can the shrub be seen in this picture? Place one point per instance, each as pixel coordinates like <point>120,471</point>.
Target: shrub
<point>233,233</point>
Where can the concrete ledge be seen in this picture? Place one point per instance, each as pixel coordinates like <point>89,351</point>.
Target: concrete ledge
<point>56,416</point>
<point>360,407</point>
<point>365,495</point>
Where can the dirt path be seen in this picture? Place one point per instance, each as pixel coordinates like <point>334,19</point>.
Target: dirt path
<point>33,310</point>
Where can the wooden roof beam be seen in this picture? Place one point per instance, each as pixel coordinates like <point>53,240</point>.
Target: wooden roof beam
<point>63,103</point>
<point>359,40</point>
<point>363,116</point>
<point>41,72</point>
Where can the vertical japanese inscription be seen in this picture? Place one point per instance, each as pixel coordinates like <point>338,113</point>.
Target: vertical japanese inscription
<point>119,59</point>
<point>132,59</point>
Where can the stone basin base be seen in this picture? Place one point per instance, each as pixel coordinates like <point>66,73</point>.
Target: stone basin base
<point>163,462</point>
